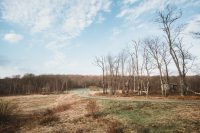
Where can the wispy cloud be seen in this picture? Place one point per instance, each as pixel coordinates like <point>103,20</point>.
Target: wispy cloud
<point>132,9</point>
<point>100,19</point>
<point>57,21</point>
<point>193,25</point>
<point>115,33</point>
<point>81,15</point>
<point>129,1</point>
<point>13,37</point>
<point>58,58</point>
<point>131,13</point>
<point>65,16</point>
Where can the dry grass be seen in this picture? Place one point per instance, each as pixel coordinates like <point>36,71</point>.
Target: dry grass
<point>66,113</point>
<point>7,110</point>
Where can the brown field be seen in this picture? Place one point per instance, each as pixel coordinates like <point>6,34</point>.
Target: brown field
<point>69,113</point>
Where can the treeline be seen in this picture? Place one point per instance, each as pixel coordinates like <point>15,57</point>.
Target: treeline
<point>150,55</point>
<point>31,84</point>
<point>45,84</point>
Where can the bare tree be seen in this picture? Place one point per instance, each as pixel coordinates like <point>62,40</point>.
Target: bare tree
<point>134,53</point>
<point>186,60</point>
<point>123,58</point>
<point>166,61</point>
<point>110,67</point>
<point>147,67</point>
<point>100,62</point>
<point>167,18</point>
<point>116,84</point>
<point>154,49</point>
<point>132,71</point>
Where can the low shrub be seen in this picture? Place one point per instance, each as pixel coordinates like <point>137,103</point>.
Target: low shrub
<point>92,107</point>
<point>61,108</point>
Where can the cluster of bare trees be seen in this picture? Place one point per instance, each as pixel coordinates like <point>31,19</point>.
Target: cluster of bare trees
<point>131,69</point>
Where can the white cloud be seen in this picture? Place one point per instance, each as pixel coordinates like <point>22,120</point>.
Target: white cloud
<point>129,1</point>
<point>57,59</point>
<point>60,20</point>
<point>193,25</point>
<point>35,14</point>
<point>56,22</point>
<point>81,15</point>
<point>100,19</point>
<point>13,37</point>
<point>133,12</point>
<point>62,16</point>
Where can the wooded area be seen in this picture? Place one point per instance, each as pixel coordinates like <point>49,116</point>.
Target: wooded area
<point>31,84</point>
<point>46,84</point>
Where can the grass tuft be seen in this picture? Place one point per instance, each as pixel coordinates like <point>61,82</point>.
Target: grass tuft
<point>7,110</point>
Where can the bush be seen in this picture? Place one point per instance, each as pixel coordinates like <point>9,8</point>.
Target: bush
<point>7,110</point>
<point>61,108</point>
<point>92,107</point>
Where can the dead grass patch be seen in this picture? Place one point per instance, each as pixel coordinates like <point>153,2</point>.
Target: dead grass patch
<point>115,127</point>
<point>49,119</point>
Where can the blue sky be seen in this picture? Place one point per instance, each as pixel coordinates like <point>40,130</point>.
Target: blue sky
<point>64,36</point>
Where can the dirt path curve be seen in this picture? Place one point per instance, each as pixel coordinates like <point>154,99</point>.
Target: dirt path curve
<point>85,93</point>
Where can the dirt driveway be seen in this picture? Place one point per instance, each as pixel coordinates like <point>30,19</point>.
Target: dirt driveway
<point>87,94</point>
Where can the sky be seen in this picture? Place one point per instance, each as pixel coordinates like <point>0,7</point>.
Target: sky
<point>64,36</point>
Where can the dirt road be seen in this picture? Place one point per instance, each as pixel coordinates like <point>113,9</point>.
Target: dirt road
<point>86,93</point>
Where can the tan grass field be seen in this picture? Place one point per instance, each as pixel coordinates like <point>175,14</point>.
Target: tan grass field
<point>68,113</point>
